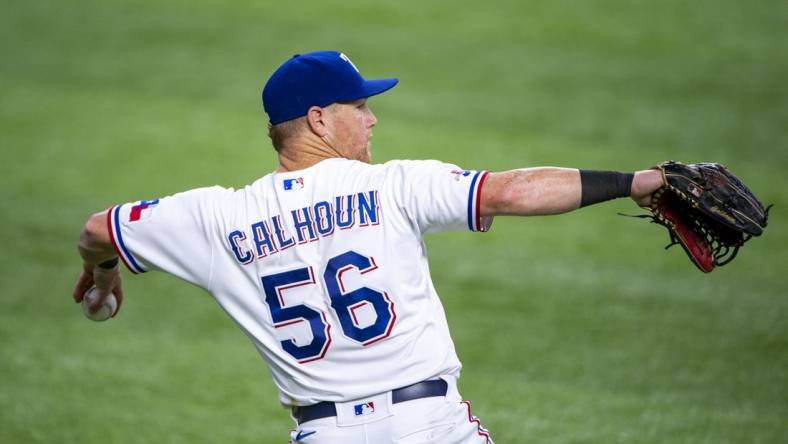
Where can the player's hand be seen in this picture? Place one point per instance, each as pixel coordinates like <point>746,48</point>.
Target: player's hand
<point>643,186</point>
<point>105,280</point>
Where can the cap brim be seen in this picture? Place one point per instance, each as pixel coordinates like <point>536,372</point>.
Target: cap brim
<point>371,88</point>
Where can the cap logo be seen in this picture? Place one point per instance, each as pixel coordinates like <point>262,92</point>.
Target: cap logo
<point>345,58</point>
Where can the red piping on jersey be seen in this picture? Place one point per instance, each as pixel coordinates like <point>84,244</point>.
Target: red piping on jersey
<point>479,203</point>
<point>114,242</point>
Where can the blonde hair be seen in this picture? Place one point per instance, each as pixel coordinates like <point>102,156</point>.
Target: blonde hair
<point>280,132</point>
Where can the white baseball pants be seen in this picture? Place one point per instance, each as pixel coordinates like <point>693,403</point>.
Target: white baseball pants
<point>375,420</point>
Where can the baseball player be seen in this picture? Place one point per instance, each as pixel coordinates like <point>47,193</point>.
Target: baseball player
<point>322,262</point>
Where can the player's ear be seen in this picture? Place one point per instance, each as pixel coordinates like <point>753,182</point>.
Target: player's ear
<point>316,118</point>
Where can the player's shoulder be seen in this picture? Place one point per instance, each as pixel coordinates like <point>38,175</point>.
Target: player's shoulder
<point>345,164</point>
<point>205,200</point>
<point>347,170</point>
<point>205,194</point>
<point>418,164</point>
<point>391,171</point>
<point>408,169</point>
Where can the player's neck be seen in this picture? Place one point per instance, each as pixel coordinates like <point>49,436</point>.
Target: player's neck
<point>303,152</point>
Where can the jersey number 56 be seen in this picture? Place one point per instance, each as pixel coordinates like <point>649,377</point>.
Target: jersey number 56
<point>343,304</point>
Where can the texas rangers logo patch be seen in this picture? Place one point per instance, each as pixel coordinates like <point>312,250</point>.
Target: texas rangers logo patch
<point>458,174</point>
<point>367,408</point>
<point>142,210</point>
<point>293,184</point>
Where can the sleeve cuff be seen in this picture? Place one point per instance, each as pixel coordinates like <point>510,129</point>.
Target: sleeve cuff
<point>475,221</point>
<point>116,236</point>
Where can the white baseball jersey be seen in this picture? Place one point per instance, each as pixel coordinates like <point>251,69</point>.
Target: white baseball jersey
<point>323,268</point>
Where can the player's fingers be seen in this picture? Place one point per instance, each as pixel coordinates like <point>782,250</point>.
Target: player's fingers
<point>118,291</point>
<point>106,281</point>
<point>106,278</point>
<point>84,282</point>
<point>99,301</point>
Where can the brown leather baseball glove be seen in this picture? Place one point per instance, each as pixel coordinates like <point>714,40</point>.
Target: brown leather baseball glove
<point>708,211</point>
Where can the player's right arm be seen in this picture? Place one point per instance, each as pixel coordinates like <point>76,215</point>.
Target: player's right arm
<point>550,190</point>
<point>169,234</point>
<point>95,247</point>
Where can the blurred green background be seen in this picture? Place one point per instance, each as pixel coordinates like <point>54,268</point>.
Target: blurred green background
<point>573,329</point>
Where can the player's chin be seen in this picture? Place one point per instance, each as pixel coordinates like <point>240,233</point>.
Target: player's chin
<point>365,155</point>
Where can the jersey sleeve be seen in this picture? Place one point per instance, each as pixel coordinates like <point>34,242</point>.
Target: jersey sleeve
<point>169,234</point>
<point>438,196</point>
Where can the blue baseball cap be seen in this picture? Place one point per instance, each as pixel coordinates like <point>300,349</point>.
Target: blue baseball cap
<point>318,78</point>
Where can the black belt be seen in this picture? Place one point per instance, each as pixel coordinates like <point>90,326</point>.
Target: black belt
<point>424,389</point>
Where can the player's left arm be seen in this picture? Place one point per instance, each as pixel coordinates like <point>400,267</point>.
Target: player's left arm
<point>551,190</point>
<point>99,262</point>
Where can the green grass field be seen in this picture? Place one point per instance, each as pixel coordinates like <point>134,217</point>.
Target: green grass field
<point>572,329</point>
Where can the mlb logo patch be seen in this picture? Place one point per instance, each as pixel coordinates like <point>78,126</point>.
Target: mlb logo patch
<point>367,408</point>
<point>142,210</point>
<point>293,184</point>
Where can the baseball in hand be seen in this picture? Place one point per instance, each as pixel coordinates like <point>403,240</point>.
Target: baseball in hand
<point>105,311</point>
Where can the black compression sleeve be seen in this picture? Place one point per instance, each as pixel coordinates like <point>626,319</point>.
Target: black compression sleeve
<point>599,186</point>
